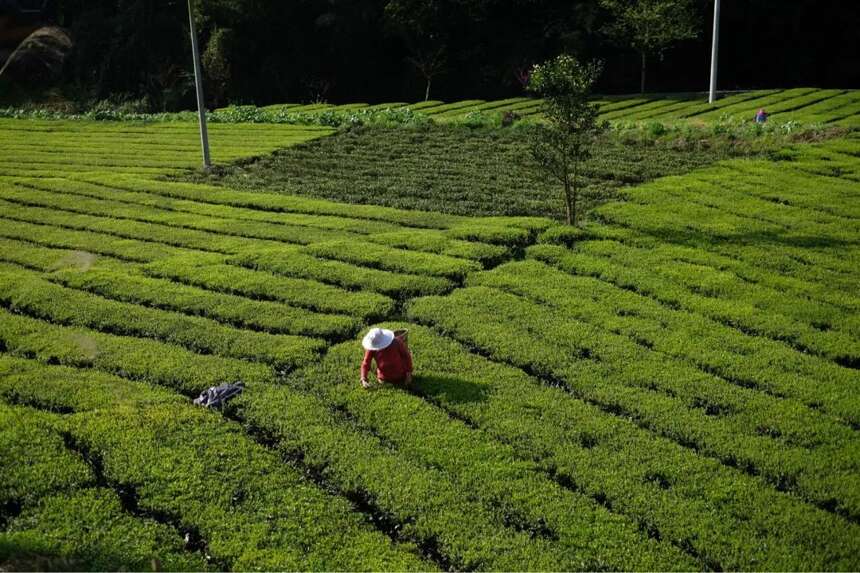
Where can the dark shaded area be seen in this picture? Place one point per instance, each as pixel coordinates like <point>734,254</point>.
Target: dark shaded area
<point>38,61</point>
<point>348,51</point>
<point>454,169</point>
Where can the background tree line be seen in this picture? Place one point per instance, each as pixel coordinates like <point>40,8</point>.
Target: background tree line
<point>269,51</point>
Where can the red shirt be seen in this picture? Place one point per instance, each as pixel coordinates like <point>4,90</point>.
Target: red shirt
<point>393,362</point>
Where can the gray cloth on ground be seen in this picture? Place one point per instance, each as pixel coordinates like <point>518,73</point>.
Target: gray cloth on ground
<point>217,396</point>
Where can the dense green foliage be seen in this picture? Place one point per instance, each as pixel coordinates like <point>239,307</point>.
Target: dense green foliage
<point>465,171</point>
<point>788,108</point>
<point>565,139</point>
<point>651,26</point>
<point>135,52</point>
<point>672,386</point>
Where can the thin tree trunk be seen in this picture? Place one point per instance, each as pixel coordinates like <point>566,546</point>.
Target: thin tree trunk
<point>644,66</point>
<point>568,205</point>
<point>574,193</point>
<point>427,91</point>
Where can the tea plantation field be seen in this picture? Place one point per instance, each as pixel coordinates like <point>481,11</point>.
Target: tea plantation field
<point>805,105</point>
<point>674,386</point>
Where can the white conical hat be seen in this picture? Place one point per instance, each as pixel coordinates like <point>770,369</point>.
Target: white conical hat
<point>377,339</point>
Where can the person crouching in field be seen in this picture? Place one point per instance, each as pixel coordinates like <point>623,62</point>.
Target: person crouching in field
<point>393,359</point>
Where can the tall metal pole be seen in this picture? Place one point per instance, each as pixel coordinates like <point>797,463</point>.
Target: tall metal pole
<point>715,47</point>
<point>198,80</point>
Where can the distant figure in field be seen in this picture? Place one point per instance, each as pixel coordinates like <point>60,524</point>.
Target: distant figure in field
<point>761,116</point>
<point>393,359</point>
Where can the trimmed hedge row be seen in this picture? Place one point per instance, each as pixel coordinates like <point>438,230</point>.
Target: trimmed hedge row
<point>495,230</point>
<point>307,229</point>
<point>424,502</point>
<point>631,274</point>
<point>670,398</point>
<point>634,113</point>
<point>714,229</point>
<point>87,241</point>
<point>694,109</point>
<point>733,200</point>
<point>115,280</point>
<point>481,468</point>
<point>747,361</point>
<point>167,455</point>
<point>427,505</point>
<point>508,231</point>
<point>98,191</point>
<point>388,258</point>
<point>178,222</point>
<point>804,102</point>
<point>271,201</point>
<point>305,293</point>
<point>34,461</point>
<point>295,264</point>
<point>781,270</point>
<point>816,196</point>
<point>14,167</point>
<point>726,287</point>
<point>25,292</point>
<point>440,243</point>
<point>825,110</point>
<point>134,358</point>
<point>228,143</point>
<point>128,229</point>
<point>64,389</point>
<point>747,109</point>
<point>729,519</point>
<point>273,317</point>
<point>89,530</point>
<point>60,519</point>
<point>48,259</point>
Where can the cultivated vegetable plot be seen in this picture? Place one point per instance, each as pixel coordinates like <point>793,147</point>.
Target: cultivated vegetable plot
<point>673,387</point>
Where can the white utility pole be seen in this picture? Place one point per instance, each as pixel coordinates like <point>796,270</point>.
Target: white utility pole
<point>198,80</point>
<point>715,48</point>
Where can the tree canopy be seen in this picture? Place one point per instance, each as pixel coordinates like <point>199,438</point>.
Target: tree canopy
<point>651,26</point>
<point>390,50</point>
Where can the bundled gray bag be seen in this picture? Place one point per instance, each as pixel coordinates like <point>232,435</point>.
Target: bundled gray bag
<point>217,396</point>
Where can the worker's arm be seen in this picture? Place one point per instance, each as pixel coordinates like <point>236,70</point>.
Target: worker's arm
<point>365,366</point>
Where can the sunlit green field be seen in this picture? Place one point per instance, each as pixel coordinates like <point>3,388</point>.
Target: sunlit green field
<point>805,105</point>
<point>673,386</point>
